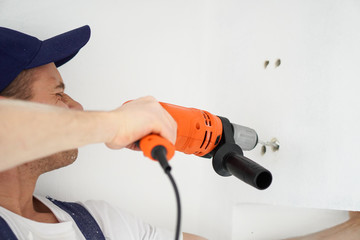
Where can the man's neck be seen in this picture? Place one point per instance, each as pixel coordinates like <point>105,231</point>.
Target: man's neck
<point>16,194</point>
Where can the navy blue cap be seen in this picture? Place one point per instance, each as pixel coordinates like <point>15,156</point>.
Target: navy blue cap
<point>19,51</point>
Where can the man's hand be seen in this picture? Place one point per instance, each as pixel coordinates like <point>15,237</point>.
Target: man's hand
<point>139,118</point>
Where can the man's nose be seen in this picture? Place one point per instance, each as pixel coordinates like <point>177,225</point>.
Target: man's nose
<point>75,105</point>
<point>72,104</point>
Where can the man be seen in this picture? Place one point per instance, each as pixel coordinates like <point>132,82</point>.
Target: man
<point>30,131</point>
<point>28,71</point>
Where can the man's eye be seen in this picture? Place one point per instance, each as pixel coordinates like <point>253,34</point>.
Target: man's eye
<point>59,95</point>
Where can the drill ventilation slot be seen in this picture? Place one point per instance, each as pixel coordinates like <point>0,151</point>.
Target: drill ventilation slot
<point>202,144</point>
<point>208,135</point>
<point>209,141</point>
<point>207,119</point>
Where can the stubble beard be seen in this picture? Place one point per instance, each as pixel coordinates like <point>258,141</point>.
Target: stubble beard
<point>50,163</point>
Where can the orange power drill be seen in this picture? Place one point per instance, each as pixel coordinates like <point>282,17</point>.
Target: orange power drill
<point>206,135</point>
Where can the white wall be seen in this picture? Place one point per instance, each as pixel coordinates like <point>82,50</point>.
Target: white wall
<point>210,55</point>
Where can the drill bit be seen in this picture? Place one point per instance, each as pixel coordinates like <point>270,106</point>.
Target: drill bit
<point>274,144</point>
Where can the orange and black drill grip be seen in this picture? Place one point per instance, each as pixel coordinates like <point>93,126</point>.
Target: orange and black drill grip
<point>149,143</point>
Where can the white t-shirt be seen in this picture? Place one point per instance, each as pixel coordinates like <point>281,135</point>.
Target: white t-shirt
<point>114,224</point>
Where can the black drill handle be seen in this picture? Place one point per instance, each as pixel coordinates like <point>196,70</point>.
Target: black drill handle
<point>229,160</point>
<point>248,171</point>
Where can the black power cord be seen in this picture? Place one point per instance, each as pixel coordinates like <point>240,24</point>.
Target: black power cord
<point>159,153</point>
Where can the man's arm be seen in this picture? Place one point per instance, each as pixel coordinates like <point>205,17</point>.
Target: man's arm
<point>29,131</point>
<point>349,230</point>
<point>188,236</point>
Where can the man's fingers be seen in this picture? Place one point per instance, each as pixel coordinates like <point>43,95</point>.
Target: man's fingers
<point>141,117</point>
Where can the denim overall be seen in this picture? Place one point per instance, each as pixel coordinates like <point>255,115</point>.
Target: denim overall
<point>83,219</point>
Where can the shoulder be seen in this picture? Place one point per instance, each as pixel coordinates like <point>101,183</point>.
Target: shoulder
<point>103,210</point>
<point>117,222</point>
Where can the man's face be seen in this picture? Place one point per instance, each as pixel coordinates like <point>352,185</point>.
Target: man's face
<point>48,88</point>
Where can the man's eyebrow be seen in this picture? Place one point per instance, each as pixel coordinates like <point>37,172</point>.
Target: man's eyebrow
<point>61,86</point>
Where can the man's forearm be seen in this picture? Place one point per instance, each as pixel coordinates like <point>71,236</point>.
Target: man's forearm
<point>188,236</point>
<point>29,131</point>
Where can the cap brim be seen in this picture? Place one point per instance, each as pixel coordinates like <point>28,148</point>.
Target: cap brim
<point>61,48</point>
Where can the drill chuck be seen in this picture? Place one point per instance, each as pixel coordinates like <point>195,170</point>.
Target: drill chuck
<point>245,137</point>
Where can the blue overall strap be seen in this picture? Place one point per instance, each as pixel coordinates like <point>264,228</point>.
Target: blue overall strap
<point>83,219</point>
<point>5,231</point>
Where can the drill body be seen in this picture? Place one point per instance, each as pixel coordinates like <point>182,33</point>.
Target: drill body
<point>206,135</point>
<point>199,132</point>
